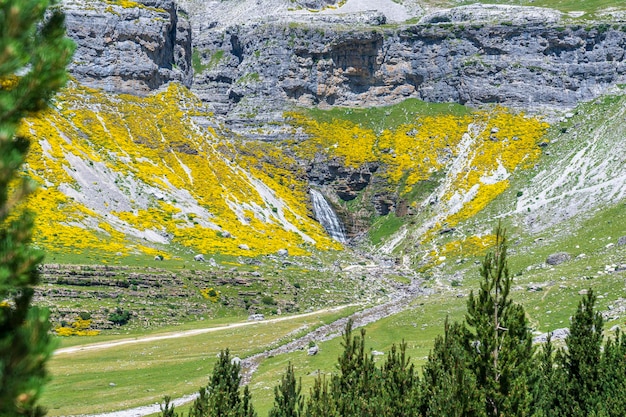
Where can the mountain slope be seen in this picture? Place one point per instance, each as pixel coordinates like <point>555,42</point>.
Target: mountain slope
<point>125,175</point>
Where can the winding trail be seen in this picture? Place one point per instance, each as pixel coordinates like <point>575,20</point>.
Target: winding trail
<point>396,303</point>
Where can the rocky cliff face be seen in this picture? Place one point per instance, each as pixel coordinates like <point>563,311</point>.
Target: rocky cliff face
<point>248,67</point>
<point>132,48</point>
<point>250,72</point>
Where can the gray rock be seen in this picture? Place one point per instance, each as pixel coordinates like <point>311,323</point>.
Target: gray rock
<point>244,247</point>
<point>621,241</point>
<point>199,258</point>
<point>313,350</point>
<point>256,317</point>
<point>557,334</point>
<point>558,258</point>
<point>315,63</point>
<point>282,252</point>
<point>129,49</point>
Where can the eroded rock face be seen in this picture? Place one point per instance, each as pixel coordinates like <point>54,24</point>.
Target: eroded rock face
<point>346,181</point>
<point>252,71</point>
<point>129,49</point>
<point>248,72</point>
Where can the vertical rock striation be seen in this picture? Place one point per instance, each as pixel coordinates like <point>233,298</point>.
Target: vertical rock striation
<point>131,49</point>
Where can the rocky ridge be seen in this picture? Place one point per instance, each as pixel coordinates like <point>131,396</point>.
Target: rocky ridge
<point>249,70</point>
<point>266,66</point>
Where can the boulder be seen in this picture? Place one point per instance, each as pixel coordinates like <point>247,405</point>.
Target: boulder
<point>313,350</point>
<point>256,317</point>
<point>558,258</point>
<point>199,258</point>
<point>621,241</point>
<point>283,252</point>
<point>557,334</point>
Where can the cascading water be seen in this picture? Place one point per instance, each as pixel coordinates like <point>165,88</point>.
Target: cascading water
<point>325,214</point>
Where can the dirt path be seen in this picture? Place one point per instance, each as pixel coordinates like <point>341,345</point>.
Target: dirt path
<point>397,302</point>
<point>187,333</point>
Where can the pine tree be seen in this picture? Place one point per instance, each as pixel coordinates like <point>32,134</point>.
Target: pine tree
<point>581,361</point>
<point>613,376</point>
<point>288,402</point>
<point>544,381</point>
<point>503,352</point>
<point>320,402</point>
<point>33,55</point>
<point>449,384</point>
<point>223,388</point>
<point>354,390</point>
<point>167,408</point>
<point>221,397</point>
<point>247,410</point>
<point>399,384</point>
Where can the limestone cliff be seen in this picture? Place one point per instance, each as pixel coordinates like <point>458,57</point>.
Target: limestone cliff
<point>251,70</point>
<point>248,68</point>
<point>129,47</point>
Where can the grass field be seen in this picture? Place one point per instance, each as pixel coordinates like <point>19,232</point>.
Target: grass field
<point>96,381</point>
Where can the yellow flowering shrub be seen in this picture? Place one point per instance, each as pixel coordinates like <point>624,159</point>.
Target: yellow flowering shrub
<point>151,171</point>
<point>210,294</point>
<point>79,327</point>
<point>468,247</point>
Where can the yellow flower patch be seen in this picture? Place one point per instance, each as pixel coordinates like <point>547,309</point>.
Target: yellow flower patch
<point>468,247</point>
<point>210,294</point>
<point>119,172</point>
<point>79,327</point>
<point>477,152</point>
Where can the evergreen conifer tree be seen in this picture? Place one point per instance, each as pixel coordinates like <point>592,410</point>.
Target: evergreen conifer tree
<point>544,380</point>
<point>449,384</point>
<point>613,376</point>
<point>221,397</point>
<point>33,55</point>
<point>288,402</point>
<point>502,348</point>
<point>354,389</point>
<point>580,362</point>
<point>399,384</point>
<point>320,402</point>
<point>167,408</point>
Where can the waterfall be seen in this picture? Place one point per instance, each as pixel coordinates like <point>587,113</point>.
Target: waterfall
<point>327,217</point>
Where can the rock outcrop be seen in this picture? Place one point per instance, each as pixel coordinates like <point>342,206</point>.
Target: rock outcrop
<point>131,49</point>
<point>251,70</point>
<point>248,72</point>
